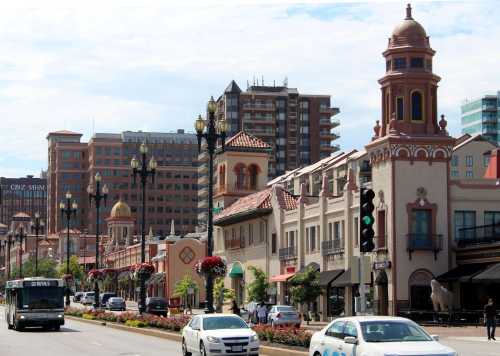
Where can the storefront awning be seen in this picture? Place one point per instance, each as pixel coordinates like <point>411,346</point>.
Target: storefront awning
<point>343,280</point>
<point>490,275</point>
<point>282,277</point>
<point>236,271</point>
<point>326,277</point>
<point>312,265</point>
<point>461,273</point>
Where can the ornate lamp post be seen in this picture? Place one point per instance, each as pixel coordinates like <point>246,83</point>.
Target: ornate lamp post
<point>143,170</point>
<point>97,196</point>
<point>7,258</point>
<point>68,209</point>
<point>20,236</point>
<point>213,133</point>
<point>37,226</point>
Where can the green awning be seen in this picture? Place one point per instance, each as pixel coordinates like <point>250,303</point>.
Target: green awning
<point>236,271</point>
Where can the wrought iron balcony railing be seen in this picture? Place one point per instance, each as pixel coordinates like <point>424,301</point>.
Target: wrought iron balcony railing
<point>287,253</point>
<point>332,247</point>
<point>424,242</point>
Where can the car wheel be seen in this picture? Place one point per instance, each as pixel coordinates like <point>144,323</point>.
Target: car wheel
<point>203,352</point>
<point>18,327</point>
<point>185,352</point>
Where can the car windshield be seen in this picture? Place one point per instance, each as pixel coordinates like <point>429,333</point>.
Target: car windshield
<point>285,309</point>
<point>156,301</point>
<point>392,331</point>
<point>115,300</point>
<point>89,294</point>
<point>223,322</point>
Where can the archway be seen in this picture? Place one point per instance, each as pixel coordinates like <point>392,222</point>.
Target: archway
<point>419,290</point>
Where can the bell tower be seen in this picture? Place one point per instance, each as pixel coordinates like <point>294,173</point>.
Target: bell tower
<point>409,87</point>
<point>409,155</point>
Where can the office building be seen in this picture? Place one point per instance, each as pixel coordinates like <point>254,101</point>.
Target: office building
<point>482,116</point>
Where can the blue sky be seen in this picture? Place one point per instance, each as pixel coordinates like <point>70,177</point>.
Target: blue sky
<point>152,65</point>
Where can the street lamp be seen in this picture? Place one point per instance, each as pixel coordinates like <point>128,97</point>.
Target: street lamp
<point>68,209</point>
<point>37,226</point>
<point>212,132</point>
<point>97,196</point>
<point>7,259</point>
<point>143,170</point>
<point>20,236</point>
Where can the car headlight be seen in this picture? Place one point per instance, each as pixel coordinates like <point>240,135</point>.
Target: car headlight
<point>254,338</point>
<point>213,339</point>
<point>21,317</point>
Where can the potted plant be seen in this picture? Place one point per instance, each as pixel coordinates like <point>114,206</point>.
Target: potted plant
<point>213,265</point>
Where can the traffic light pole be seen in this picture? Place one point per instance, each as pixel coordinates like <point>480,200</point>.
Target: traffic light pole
<point>367,234</point>
<point>362,286</point>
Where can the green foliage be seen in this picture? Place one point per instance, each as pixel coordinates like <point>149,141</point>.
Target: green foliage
<point>47,267</point>
<point>305,286</point>
<point>257,289</point>
<point>182,286</point>
<point>74,268</point>
<point>221,293</point>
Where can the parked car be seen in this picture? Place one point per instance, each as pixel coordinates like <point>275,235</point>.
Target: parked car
<point>219,334</point>
<point>105,296</point>
<point>282,315</point>
<point>88,298</point>
<point>157,306</point>
<point>116,303</point>
<point>376,336</point>
<point>78,297</point>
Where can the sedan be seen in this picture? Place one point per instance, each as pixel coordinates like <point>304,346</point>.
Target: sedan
<point>116,303</point>
<point>281,315</point>
<point>157,306</point>
<point>219,334</point>
<point>376,336</point>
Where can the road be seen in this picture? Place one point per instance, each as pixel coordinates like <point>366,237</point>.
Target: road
<point>83,339</point>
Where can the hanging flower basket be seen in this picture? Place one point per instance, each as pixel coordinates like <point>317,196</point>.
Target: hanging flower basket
<point>109,272</point>
<point>214,266</point>
<point>95,274</point>
<point>144,269</point>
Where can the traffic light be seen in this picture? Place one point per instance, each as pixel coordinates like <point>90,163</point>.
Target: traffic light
<point>366,220</point>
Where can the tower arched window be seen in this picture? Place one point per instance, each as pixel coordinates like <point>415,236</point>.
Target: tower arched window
<point>253,173</point>
<point>416,106</point>
<point>239,170</point>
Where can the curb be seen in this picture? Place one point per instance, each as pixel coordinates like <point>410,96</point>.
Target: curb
<point>266,350</point>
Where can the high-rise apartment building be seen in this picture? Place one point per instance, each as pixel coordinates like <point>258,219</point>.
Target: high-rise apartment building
<point>482,116</point>
<point>173,196</point>
<point>22,195</point>
<point>297,126</point>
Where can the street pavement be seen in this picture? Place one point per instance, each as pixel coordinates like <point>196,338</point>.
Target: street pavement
<point>83,339</point>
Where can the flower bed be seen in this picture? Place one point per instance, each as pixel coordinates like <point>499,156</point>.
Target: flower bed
<point>287,336</point>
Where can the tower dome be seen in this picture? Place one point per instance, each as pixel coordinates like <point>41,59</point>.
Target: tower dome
<point>121,210</point>
<point>409,33</point>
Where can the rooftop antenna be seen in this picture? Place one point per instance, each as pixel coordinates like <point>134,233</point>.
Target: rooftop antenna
<point>248,84</point>
<point>254,80</point>
<point>285,82</point>
<point>262,80</point>
<point>274,83</point>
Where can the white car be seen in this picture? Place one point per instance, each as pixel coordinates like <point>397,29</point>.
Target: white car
<point>376,336</point>
<point>88,298</point>
<point>219,334</point>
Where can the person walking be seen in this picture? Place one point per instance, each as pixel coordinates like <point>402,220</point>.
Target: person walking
<point>235,309</point>
<point>490,314</point>
<point>262,313</point>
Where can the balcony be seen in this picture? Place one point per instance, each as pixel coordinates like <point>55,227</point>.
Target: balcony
<point>424,242</point>
<point>250,106</point>
<point>332,247</point>
<point>478,235</point>
<point>328,110</point>
<point>287,253</point>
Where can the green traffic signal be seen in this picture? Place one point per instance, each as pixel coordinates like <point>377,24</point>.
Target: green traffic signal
<point>368,220</point>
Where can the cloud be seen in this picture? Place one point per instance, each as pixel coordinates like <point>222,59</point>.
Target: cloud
<point>152,65</point>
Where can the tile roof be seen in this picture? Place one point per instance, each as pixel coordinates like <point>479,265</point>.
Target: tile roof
<point>259,200</point>
<point>64,132</point>
<point>244,140</point>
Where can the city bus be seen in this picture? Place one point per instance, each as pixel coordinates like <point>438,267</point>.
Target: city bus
<point>34,301</point>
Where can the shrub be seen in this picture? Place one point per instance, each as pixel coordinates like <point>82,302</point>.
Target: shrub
<point>89,316</point>
<point>135,323</point>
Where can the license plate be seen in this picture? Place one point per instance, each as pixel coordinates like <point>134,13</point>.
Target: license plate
<point>236,348</point>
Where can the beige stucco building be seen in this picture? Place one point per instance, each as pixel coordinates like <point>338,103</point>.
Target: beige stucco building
<point>428,221</point>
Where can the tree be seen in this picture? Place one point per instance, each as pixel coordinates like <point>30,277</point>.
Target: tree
<point>47,267</point>
<point>75,269</point>
<point>183,286</point>
<point>221,293</point>
<point>305,287</point>
<point>257,289</point>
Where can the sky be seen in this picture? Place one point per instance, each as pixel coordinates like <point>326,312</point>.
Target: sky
<point>111,66</point>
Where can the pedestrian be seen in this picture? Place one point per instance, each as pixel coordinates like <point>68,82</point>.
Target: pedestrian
<point>262,313</point>
<point>235,309</point>
<point>490,314</point>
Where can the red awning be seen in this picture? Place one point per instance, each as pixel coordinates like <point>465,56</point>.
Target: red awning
<point>282,277</point>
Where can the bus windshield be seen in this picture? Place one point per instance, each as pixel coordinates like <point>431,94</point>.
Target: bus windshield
<point>41,298</point>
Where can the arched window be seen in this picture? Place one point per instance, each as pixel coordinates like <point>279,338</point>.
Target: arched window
<point>253,172</point>
<point>222,176</point>
<point>239,170</point>
<point>416,106</point>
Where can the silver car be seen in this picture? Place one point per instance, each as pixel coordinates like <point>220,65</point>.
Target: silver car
<point>281,315</point>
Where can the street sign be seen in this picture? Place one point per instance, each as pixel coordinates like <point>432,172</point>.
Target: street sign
<point>190,291</point>
<point>379,265</point>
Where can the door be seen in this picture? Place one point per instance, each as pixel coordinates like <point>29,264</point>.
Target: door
<point>345,348</point>
<point>334,336</point>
